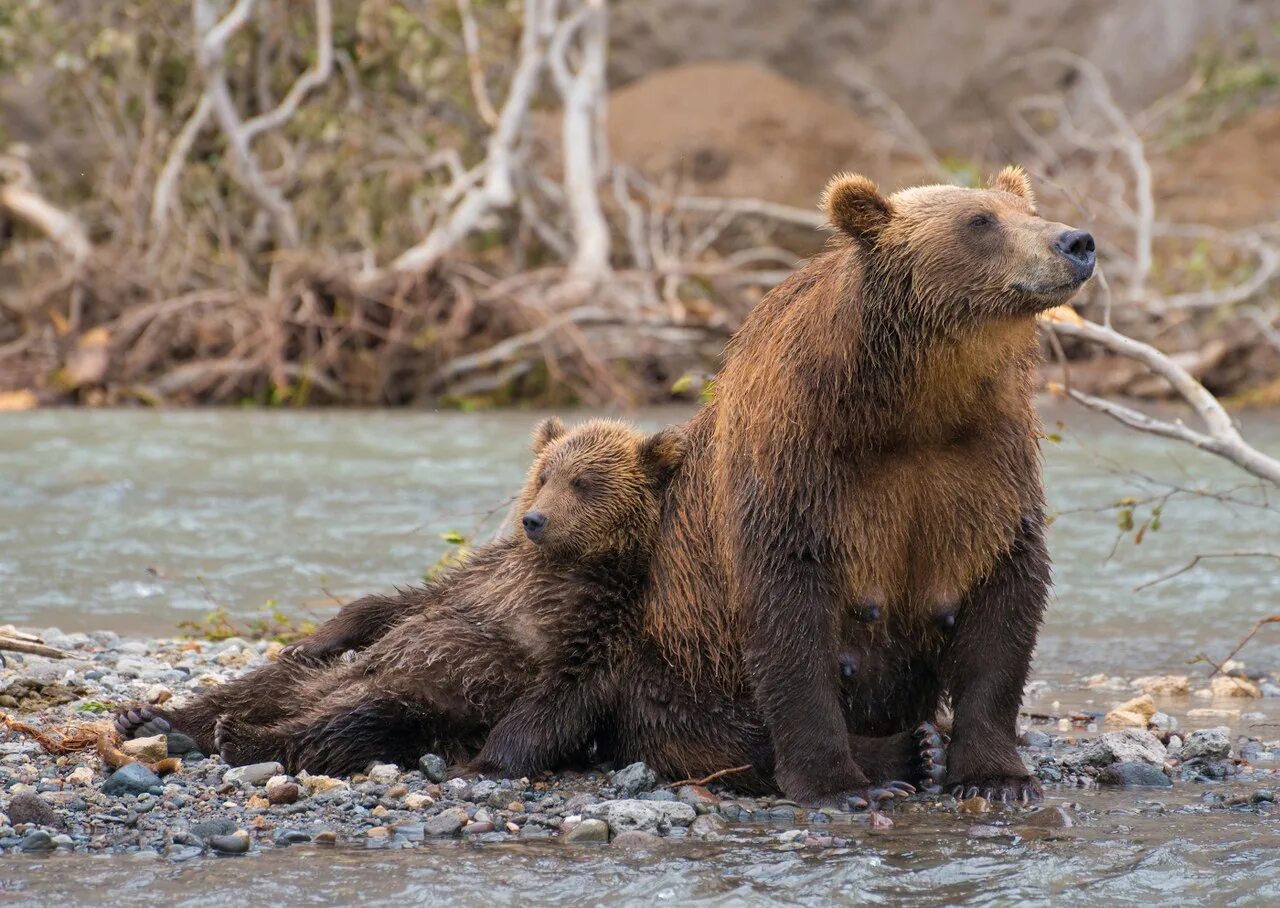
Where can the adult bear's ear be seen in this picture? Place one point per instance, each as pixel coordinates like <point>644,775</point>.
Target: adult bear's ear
<point>662,453</point>
<point>1013,179</point>
<point>546,432</point>
<point>855,206</point>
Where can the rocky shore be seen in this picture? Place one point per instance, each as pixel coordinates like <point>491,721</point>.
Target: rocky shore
<point>76,803</point>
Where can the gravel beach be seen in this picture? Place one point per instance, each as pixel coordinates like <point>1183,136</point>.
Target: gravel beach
<point>74,803</point>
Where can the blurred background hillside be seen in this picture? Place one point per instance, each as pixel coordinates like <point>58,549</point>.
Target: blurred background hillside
<point>487,202</point>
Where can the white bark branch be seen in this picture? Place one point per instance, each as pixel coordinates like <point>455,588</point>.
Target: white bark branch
<point>475,66</point>
<point>306,83</point>
<point>167,182</point>
<point>1220,435</point>
<point>21,196</point>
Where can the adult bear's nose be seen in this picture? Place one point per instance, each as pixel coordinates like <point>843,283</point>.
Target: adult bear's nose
<point>535,523</point>
<point>1077,247</point>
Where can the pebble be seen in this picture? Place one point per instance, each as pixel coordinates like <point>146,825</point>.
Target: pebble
<point>589,831</point>
<point>697,797</point>
<point>1051,818</point>
<point>446,823</point>
<point>633,779</point>
<point>636,839</point>
<point>81,775</point>
<point>148,750</point>
<point>253,774</point>
<point>433,767</point>
<point>1134,774</point>
<point>286,793</point>
<point>133,778</point>
<point>383,773</point>
<point>29,807</point>
<point>415,801</point>
<point>1223,686</point>
<point>38,840</point>
<point>181,745</point>
<point>1033,738</point>
<point>1206,744</point>
<point>1132,712</point>
<point>974,806</point>
<point>235,843</point>
<point>709,826</point>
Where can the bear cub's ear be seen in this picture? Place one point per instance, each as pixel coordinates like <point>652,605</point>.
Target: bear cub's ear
<point>855,206</point>
<point>546,432</point>
<point>662,453</point>
<point>1013,179</point>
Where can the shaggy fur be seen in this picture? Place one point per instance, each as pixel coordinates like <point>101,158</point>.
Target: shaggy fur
<point>521,630</point>
<point>857,529</point>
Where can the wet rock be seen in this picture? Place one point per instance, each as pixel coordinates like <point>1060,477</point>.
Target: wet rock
<point>286,793</point>
<point>1033,738</point>
<point>38,840</point>
<point>1134,712</point>
<point>697,797</point>
<point>881,821</point>
<point>416,801</point>
<point>708,826</point>
<point>974,806</point>
<point>446,823</point>
<point>659,794</point>
<point>253,774</point>
<point>29,807</point>
<point>236,843</point>
<point>1208,713</point>
<point>636,839</point>
<point>319,784</point>
<point>1206,744</point>
<point>1134,774</point>
<point>1163,722</point>
<point>286,837</point>
<point>589,831</point>
<point>986,831</point>
<point>1224,686</point>
<point>148,750</point>
<point>326,837</point>
<point>1051,818</point>
<point>478,828</point>
<point>180,745</point>
<point>1164,685</point>
<point>433,767</point>
<point>1263,796</point>
<point>650,816</point>
<point>633,779</point>
<point>1131,745</point>
<point>133,778</point>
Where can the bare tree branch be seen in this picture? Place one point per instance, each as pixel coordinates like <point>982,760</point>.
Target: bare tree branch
<point>306,83</point>
<point>21,196</point>
<point>1220,436</point>
<point>475,66</point>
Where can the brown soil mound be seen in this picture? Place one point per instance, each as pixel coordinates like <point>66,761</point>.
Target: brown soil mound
<point>1230,179</point>
<point>731,129</point>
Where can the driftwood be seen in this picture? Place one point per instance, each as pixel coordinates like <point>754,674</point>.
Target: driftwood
<point>15,641</point>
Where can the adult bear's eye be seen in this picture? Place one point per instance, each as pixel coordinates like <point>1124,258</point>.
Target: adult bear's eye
<point>982,220</point>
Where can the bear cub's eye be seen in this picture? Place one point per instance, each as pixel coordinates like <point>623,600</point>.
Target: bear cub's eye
<point>982,220</point>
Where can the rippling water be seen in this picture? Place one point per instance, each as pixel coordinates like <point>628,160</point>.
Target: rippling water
<point>137,520</point>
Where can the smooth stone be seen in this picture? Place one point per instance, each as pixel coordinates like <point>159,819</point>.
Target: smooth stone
<point>1134,774</point>
<point>132,778</point>
<point>589,831</point>
<point>433,767</point>
<point>288,793</point>
<point>636,839</point>
<point>383,773</point>
<point>446,823</point>
<point>633,779</point>
<point>708,826</point>
<point>1051,818</point>
<point>236,843</point>
<point>1034,738</point>
<point>180,745</point>
<point>253,774</point>
<point>38,840</point>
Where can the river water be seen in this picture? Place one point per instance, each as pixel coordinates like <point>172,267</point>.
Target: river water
<point>135,521</point>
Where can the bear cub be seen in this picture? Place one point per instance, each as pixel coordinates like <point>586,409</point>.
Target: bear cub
<point>522,635</point>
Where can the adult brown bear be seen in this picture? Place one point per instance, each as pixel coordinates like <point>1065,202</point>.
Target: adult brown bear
<point>857,529</point>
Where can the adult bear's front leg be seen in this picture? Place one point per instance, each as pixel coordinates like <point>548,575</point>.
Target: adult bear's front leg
<point>791,603</point>
<point>985,666</point>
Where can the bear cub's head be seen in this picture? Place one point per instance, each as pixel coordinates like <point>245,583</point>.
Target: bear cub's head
<point>969,252</point>
<point>596,490</point>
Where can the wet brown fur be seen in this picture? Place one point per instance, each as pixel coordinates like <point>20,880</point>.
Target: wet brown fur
<point>520,630</point>
<point>872,449</point>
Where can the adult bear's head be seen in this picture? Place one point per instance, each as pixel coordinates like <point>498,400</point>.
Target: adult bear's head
<point>958,255</point>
